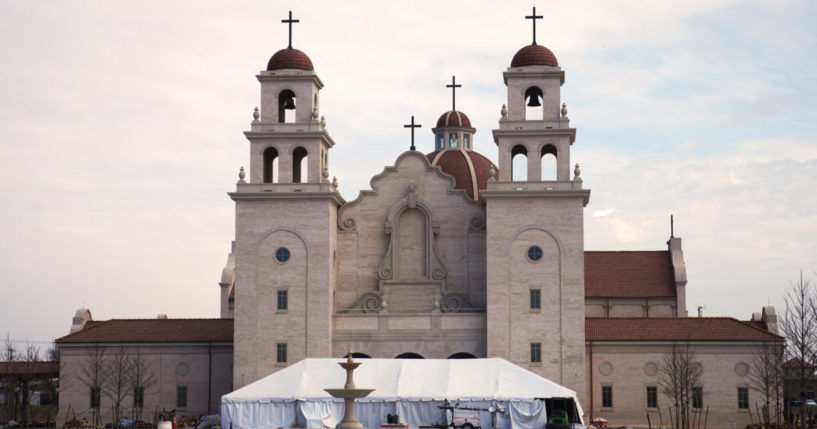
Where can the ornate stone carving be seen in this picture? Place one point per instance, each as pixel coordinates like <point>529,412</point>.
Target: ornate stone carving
<point>369,302</point>
<point>477,224</point>
<point>454,302</point>
<point>434,269</point>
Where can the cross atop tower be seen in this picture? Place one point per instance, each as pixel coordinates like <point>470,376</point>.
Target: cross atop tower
<point>412,126</point>
<point>453,87</point>
<point>291,21</point>
<point>533,18</point>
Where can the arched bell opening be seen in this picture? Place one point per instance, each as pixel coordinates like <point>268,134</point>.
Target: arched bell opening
<point>519,163</point>
<point>270,164</point>
<point>549,162</point>
<point>286,106</point>
<point>533,104</point>
<point>409,355</point>
<point>299,164</point>
<point>462,355</point>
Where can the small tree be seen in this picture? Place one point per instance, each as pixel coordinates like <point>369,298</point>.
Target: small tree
<point>93,374</point>
<point>799,325</point>
<point>118,370</point>
<point>766,377</point>
<point>680,374</point>
<point>141,378</point>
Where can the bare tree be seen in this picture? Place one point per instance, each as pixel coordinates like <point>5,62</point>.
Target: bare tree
<point>93,374</point>
<point>766,377</point>
<point>680,374</point>
<point>141,379</point>
<point>799,325</point>
<point>29,357</point>
<point>118,370</point>
<point>9,354</point>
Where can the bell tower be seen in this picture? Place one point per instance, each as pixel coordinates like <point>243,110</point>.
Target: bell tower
<point>535,228</point>
<point>286,224</point>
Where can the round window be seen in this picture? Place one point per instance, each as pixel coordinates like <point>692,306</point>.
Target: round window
<point>535,253</point>
<point>282,254</point>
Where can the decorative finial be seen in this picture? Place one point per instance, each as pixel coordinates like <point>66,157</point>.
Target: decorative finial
<point>325,173</point>
<point>577,173</point>
<point>323,122</point>
<point>533,18</point>
<point>315,113</point>
<point>290,21</point>
<point>492,173</point>
<point>349,355</point>
<point>412,126</point>
<point>504,111</point>
<point>241,175</point>
<point>256,114</point>
<point>564,110</point>
<point>335,182</point>
<point>453,87</point>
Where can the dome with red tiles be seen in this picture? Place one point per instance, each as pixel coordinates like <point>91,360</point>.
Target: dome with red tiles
<point>470,169</point>
<point>289,58</point>
<point>453,118</point>
<point>534,55</point>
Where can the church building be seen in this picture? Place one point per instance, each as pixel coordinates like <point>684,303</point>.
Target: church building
<point>450,255</point>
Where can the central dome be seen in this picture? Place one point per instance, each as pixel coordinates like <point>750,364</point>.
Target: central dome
<point>453,118</point>
<point>534,55</point>
<point>289,58</point>
<point>471,170</point>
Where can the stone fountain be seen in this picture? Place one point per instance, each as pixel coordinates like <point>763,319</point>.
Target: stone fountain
<point>349,393</point>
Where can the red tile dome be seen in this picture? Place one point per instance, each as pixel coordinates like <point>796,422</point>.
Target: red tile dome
<point>453,118</point>
<point>454,162</point>
<point>289,58</point>
<point>534,55</point>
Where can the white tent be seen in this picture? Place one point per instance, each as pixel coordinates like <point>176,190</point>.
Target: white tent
<point>412,388</point>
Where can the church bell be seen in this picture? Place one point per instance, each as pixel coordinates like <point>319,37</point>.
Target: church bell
<point>533,101</point>
<point>289,104</point>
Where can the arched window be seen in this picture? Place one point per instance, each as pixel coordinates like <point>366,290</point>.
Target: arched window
<point>452,140</point>
<point>286,106</point>
<point>299,164</point>
<point>440,141</point>
<point>549,162</point>
<point>270,164</point>
<point>462,355</point>
<point>519,163</point>
<point>356,355</point>
<point>533,104</point>
<point>466,141</point>
<point>408,355</point>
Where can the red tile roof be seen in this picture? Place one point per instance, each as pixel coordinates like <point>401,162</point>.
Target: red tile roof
<point>453,162</point>
<point>630,274</point>
<point>453,118</point>
<point>534,55</point>
<point>153,331</point>
<point>289,58</point>
<point>673,329</point>
<point>29,368</point>
<point>796,363</point>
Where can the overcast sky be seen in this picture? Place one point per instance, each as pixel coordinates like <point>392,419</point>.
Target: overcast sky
<point>121,133</point>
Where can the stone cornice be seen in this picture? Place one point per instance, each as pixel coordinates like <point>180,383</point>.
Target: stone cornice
<point>290,75</point>
<point>545,72</point>
<point>268,135</point>
<point>258,196</point>
<point>570,132</point>
<point>584,194</point>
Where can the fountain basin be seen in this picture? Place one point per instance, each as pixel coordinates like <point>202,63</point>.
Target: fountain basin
<point>349,393</point>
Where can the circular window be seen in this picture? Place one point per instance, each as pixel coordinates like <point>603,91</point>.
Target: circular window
<point>535,253</point>
<point>182,369</point>
<point>282,254</point>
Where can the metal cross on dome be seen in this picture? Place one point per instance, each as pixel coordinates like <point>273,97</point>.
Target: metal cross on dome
<point>533,18</point>
<point>290,21</point>
<point>453,87</point>
<point>412,126</point>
